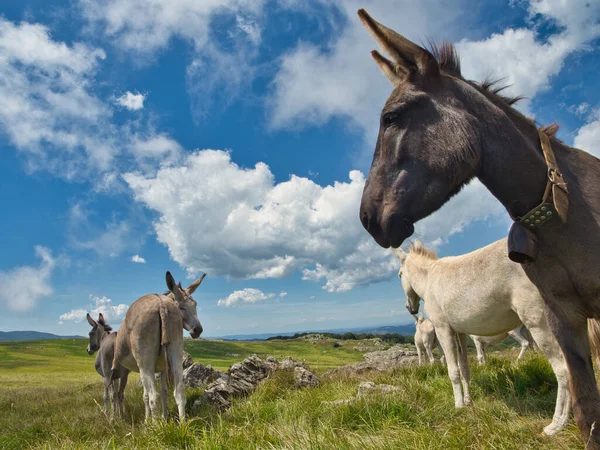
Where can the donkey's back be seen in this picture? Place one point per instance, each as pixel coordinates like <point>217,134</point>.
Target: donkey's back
<point>151,321</point>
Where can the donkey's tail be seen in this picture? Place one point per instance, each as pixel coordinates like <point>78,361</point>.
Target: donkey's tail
<point>594,337</point>
<point>168,365</point>
<point>114,372</point>
<point>164,342</point>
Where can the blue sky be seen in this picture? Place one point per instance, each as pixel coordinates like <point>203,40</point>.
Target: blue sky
<point>232,137</point>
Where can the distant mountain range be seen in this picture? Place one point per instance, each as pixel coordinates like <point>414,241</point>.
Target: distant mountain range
<point>30,336</point>
<point>407,330</point>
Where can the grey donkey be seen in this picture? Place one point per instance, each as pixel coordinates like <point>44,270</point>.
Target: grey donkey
<point>150,340</point>
<point>103,342</point>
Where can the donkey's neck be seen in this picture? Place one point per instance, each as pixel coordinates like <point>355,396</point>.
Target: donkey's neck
<point>512,165</point>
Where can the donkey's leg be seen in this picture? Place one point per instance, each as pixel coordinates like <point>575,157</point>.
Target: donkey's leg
<point>121,395</point>
<point>548,344</point>
<point>106,381</point>
<point>429,352</point>
<point>447,339</point>
<point>419,354</point>
<point>115,397</point>
<point>517,336</point>
<point>480,347</point>
<point>149,384</point>
<point>428,341</point>
<point>146,397</point>
<point>442,357</point>
<point>570,329</point>
<point>463,365</point>
<point>176,360</point>
<point>164,394</point>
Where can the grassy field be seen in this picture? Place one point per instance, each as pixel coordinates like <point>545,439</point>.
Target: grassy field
<point>50,396</point>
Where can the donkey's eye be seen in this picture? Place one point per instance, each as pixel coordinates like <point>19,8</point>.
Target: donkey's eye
<point>389,119</point>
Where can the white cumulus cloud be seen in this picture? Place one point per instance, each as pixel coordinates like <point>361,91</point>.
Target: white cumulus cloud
<point>131,101</point>
<point>525,62</point>
<point>46,105</point>
<point>104,305</point>
<point>22,287</point>
<point>222,55</point>
<point>588,136</point>
<point>338,79</point>
<point>52,115</point>
<point>138,259</point>
<point>247,295</point>
<point>219,218</point>
<point>318,82</point>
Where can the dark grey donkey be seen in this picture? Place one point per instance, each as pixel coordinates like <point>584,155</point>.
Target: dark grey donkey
<point>437,132</point>
<point>103,342</point>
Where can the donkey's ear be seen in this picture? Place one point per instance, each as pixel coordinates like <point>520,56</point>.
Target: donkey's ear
<point>192,287</point>
<point>91,321</point>
<point>101,319</point>
<point>399,253</point>
<point>407,57</point>
<point>173,287</point>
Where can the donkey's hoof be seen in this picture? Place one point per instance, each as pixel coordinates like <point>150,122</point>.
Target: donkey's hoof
<point>550,430</point>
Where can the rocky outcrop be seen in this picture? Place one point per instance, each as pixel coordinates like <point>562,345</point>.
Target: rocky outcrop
<point>198,375</point>
<point>243,378</point>
<point>391,358</point>
<point>378,360</point>
<point>304,378</point>
<point>313,337</point>
<point>289,363</point>
<point>187,360</point>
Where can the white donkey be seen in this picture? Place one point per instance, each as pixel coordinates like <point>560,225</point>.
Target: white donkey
<point>425,340</point>
<point>485,294</point>
<point>519,334</point>
<point>151,340</point>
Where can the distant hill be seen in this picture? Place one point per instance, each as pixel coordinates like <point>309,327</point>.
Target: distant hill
<point>407,330</point>
<point>29,336</point>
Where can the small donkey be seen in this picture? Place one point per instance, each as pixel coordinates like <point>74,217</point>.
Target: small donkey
<point>103,340</point>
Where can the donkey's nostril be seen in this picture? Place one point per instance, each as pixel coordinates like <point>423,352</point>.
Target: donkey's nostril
<point>364,218</point>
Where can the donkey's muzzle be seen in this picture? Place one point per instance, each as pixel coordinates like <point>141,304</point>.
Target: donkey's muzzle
<point>411,310</point>
<point>196,332</point>
<point>388,231</point>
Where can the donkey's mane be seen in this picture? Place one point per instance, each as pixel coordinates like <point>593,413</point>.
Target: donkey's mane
<point>420,250</point>
<point>104,325</point>
<point>449,61</point>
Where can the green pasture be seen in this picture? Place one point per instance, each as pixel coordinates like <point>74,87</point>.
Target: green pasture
<point>50,397</point>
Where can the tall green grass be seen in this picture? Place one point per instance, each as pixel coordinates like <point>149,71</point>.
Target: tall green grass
<point>512,404</point>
